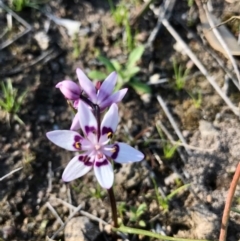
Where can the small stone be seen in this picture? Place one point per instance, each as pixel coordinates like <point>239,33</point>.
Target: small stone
<point>80,229</point>
<point>8,231</point>
<point>42,39</point>
<point>207,129</point>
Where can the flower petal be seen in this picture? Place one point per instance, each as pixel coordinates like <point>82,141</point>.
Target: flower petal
<point>87,85</point>
<point>104,172</point>
<point>110,120</point>
<point>123,153</point>
<point>75,123</point>
<point>107,87</point>
<point>66,139</point>
<point>69,89</point>
<point>114,98</point>
<point>76,168</point>
<point>87,120</point>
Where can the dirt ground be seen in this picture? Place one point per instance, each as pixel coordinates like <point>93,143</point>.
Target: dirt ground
<point>47,54</point>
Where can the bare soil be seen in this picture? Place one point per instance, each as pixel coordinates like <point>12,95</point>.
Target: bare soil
<point>195,212</point>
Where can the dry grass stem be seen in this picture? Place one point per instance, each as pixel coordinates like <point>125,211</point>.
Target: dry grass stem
<point>165,11</point>
<point>10,173</point>
<point>64,224</point>
<point>49,175</point>
<point>200,66</point>
<point>172,121</point>
<point>222,42</point>
<point>54,212</point>
<point>19,19</point>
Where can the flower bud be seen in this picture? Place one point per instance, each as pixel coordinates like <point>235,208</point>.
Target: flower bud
<point>70,89</point>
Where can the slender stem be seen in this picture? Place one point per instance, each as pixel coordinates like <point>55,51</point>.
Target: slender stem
<point>96,111</point>
<point>113,206</point>
<point>87,101</point>
<point>151,234</point>
<point>225,217</point>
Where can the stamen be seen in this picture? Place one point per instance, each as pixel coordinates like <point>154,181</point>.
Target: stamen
<point>77,145</point>
<point>114,149</point>
<point>110,135</point>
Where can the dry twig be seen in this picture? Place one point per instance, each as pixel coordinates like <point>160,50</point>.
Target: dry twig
<point>227,208</point>
<point>200,66</point>
<point>54,212</point>
<point>10,173</point>
<point>19,19</point>
<point>222,42</point>
<point>164,12</point>
<point>172,121</point>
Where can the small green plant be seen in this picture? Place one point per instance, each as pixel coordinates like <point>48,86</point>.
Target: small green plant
<point>19,5</point>
<point>76,46</point>
<point>164,201</point>
<point>190,3</point>
<point>121,17</point>
<point>97,192</point>
<point>179,75</point>
<point>196,98</point>
<point>121,209</point>
<point>126,73</point>
<point>168,148</point>
<point>136,213</point>
<point>10,102</point>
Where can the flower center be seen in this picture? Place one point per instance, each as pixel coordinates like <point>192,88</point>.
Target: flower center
<point>97,147</point>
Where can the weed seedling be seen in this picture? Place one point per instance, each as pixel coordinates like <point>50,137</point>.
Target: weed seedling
<point>121,207</point>
<point>164,201</point>
<point>97,192</point>
<point>168,148</point>
<point>10,102</point>
<point>19,5</point>
<point>197,99</point>
<point>121,17</point>
<point>126,73</point>
<point>179,76</point>
<point>136,213</point>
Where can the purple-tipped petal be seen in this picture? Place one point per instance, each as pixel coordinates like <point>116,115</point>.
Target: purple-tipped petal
<point>69,140</point>
<point>104,173</point>
<point>126,154</point>
<point>110,120</point>
<point>75,123</point>
<point>114,98</point>
<point>69,89</point>
<point>87,85</point>
<point>76,168</point>
<point>107,87</point>
<point>87,120</point>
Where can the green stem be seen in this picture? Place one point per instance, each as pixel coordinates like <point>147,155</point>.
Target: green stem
<point>151,234</point>
<point>113,206</point>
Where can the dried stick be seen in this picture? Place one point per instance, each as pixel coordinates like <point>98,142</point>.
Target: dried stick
<point>172,121</point>
<point>19,19</point>
<point>213,54</point>
<point>64,224</point>
<point>92,217</point>
<point>54,212</point>
<point>164,12</point>
<point>200,66</point>
<point>225,217</point>
<point>222,42</point>
<point>10,173</point>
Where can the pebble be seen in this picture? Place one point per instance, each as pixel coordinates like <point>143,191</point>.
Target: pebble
<point>42,39</point>
<point>207,129</point>
<point>80,229</point>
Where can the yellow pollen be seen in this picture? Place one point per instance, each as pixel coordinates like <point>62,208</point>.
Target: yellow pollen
<point>110,135</point>
<point>78,145</point>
